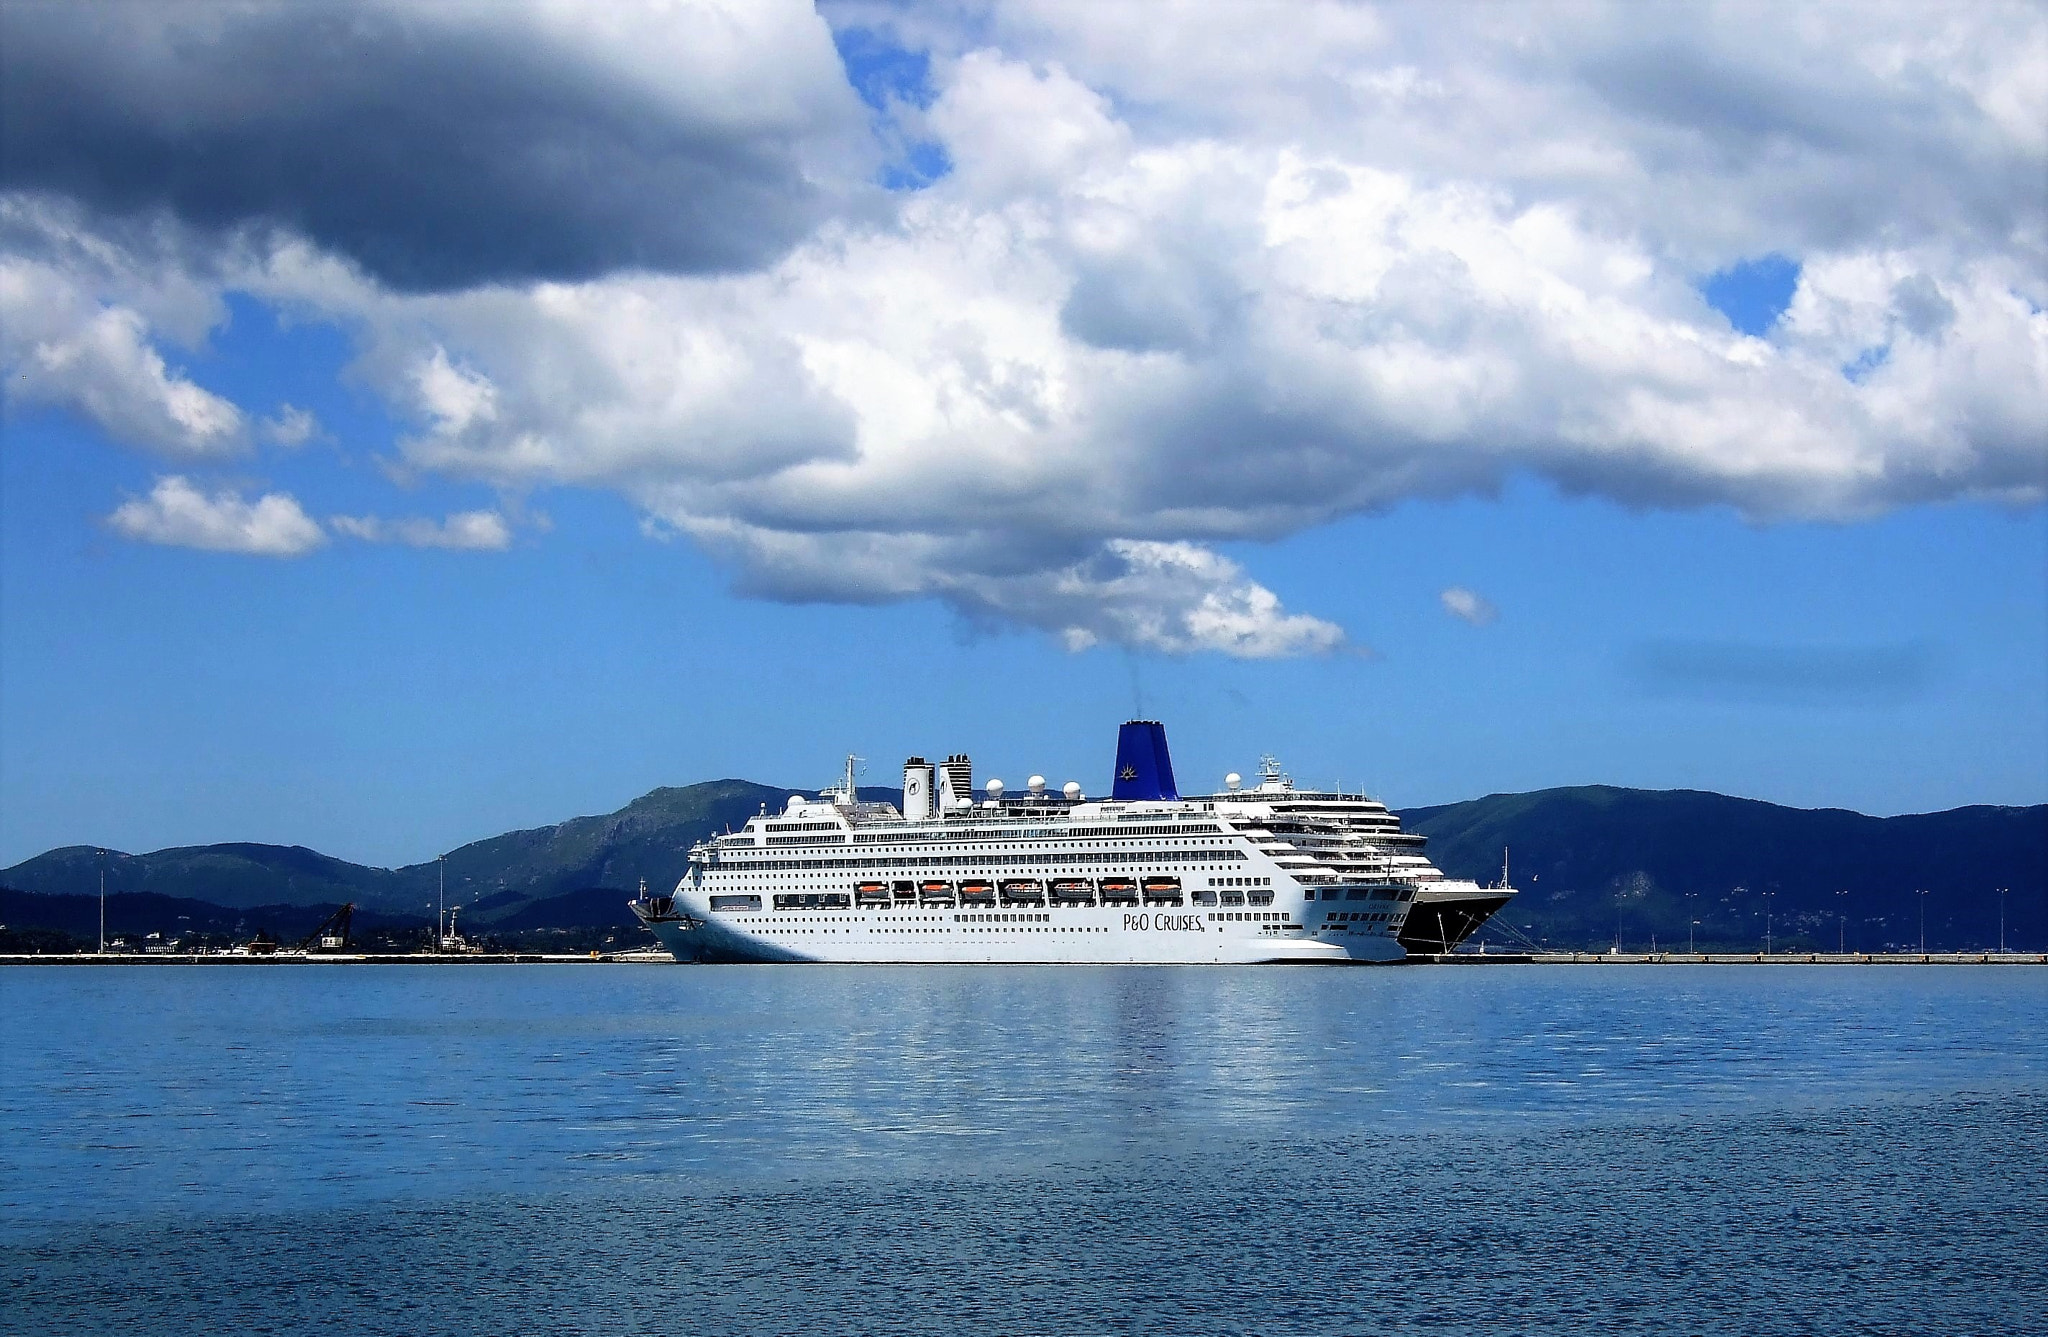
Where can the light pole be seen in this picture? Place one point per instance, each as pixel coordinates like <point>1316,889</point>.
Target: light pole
<point>1841,921</point>
<point>2001,919</point>
<point>1767,921</point>
<point>103,902</point>
<point>441,907</point>
<point>1921,892</point>
<point>1691,923</point>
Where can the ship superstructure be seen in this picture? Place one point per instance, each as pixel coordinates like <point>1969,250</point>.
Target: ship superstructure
<point>1445,910</point>
<point>1041,876</point>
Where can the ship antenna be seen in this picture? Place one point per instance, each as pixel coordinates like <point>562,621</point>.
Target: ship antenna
<point>1503,865</point>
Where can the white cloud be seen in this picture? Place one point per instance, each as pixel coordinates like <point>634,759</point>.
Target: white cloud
<point>58,345</point>
<point>179,515</point>
<point>1186,287</point>
<point>469,531</point>
<point>1176,598</point>
<point>1468,605</point>
<point>289,427</point>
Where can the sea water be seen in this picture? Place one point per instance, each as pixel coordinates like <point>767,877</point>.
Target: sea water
<point>618,1149</point>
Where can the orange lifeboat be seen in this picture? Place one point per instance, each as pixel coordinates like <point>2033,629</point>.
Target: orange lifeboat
<point>1165,889</point>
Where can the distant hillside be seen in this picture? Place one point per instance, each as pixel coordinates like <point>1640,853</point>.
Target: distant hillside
<point>1580,855</point>
<point>648,838</point>
<point>510,878</point>
<point>222,875</point>
<point>134,915</point>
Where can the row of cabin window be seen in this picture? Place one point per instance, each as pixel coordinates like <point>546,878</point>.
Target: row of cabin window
<point>1012,839</point>
<point>839,900</point>
<point>954,861</point>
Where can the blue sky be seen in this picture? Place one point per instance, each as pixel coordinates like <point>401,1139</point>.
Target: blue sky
<point>1433,491</point>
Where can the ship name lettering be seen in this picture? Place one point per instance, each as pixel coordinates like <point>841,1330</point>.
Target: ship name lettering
<point>1165,923</point>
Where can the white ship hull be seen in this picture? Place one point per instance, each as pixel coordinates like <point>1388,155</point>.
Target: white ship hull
<point>1088,935</point>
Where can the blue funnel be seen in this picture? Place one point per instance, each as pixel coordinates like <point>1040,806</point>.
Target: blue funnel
<point>1144,768</point>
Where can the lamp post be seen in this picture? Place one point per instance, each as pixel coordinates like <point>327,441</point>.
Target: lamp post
<point>441,909</point>
<point>103,902</point>
<point>2001,919</point>
<point>1691,923</point>
<point>1841,921</point>
<point>1921,892</point>
<point>1767,921</point>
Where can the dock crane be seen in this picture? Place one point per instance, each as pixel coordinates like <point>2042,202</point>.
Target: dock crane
<point>332,935</point>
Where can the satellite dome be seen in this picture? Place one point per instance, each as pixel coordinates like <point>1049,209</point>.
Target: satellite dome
<point>1072,789</point>
<point>1036,784</point>
<point>995,789</point>
<point>1232,780</point>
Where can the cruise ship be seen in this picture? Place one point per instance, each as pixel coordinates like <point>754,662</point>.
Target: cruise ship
<point>1267,874</point>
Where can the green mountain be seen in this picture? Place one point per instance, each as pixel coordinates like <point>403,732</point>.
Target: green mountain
<point>512,878</point>
<point>507,877</point>
<point>1655,859</point>
<point>233,876</point>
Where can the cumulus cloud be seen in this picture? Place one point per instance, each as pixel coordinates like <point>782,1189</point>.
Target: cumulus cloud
<point>469,531</point>
<point>1175,598</point>
<point>60,346</point>
<point>1468,606</point>
<point>178,514</point>
<point>1170,597</point>
<point>444,145</point>
<point>1182,288</point>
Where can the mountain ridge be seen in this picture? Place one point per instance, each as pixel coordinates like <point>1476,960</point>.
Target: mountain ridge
<point>1637,863</point>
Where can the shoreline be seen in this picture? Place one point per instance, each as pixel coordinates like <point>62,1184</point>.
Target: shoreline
<point>1979,957</point>
<point>338,959</point>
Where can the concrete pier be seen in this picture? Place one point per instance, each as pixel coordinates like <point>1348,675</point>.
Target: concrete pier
<point>1736,958</point>
<point>337,959</point>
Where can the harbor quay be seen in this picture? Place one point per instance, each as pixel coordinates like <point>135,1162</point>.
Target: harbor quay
<point>229,958</point>
<point>1978,958</point>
